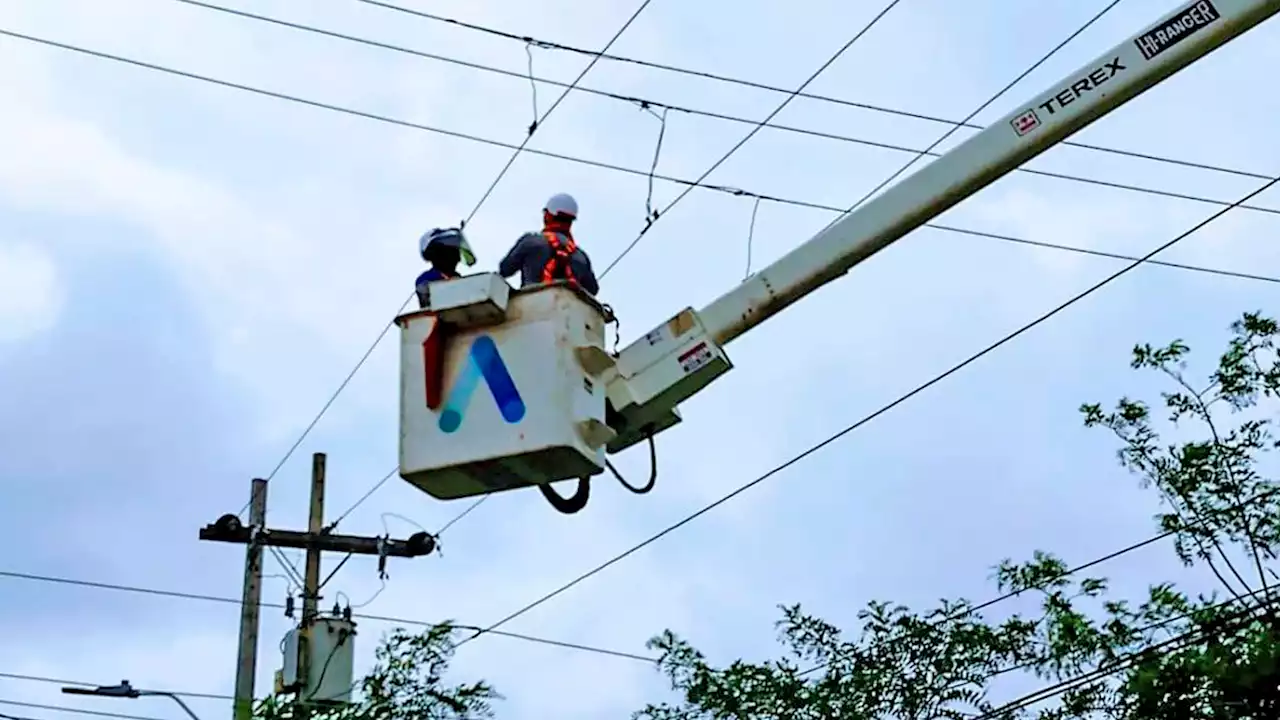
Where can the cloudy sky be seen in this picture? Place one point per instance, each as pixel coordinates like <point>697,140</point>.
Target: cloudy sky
<point>187,272</point>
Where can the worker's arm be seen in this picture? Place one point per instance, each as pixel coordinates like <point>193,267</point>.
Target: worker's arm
<point>587,279</point>
<point>514,261</point>
<point>420,286</point>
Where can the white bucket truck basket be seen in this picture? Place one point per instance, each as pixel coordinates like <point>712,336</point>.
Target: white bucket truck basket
<point>500,388</point>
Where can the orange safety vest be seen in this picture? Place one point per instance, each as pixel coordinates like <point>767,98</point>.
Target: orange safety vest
<point>560,254</point>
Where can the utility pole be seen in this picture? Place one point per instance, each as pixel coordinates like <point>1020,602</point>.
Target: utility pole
<point>311,575</point>
<point>250,599</point>
<point>315,541</point>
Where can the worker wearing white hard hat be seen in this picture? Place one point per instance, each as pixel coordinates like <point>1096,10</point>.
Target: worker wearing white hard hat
<point>443,248</point>
<point>561,204</point>
<point>552,254</point>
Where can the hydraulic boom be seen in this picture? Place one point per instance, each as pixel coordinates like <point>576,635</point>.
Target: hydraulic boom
<point>679,358</point>
<point>503,389</point>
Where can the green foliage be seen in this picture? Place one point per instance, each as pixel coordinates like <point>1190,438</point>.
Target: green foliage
<point>406,683</point>
<point>1163,656</point>
<point>1233,673</point>
<point>1216,474</point>
<point>904,664</point>
<point>1166,656</point>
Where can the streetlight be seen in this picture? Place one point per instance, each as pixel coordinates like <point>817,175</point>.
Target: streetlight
<point>125,690</point>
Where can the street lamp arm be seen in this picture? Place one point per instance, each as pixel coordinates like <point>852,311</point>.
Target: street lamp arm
<point>126,690</point>
<point>173,697</point>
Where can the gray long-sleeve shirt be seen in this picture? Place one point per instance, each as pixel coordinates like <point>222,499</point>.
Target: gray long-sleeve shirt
<point>531,254</point>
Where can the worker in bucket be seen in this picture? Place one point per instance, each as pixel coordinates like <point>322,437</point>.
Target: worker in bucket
<point>443,249</point>
<point>552,254</point>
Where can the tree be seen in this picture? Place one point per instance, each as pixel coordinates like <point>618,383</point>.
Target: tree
<point>405,683</point>
<point>1168,655</point>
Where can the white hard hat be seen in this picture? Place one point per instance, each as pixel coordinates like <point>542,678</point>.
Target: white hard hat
<point>448,237</point>
<point>562,204</point>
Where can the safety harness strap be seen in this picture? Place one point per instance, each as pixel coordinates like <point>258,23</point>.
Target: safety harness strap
<point>558,267</point>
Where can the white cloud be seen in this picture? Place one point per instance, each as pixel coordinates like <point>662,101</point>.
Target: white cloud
<point>266,279</point>
<point>293,232</point>
<point>31,295</point>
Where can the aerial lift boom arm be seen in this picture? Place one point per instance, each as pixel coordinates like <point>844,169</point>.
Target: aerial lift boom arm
<point>558,400</point>
<point>679,358</point>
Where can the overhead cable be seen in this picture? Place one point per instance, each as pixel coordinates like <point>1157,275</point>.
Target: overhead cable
<point>61,580</point>
<point>538,122</point>
<point>1232,621</point>
<point>80,683</point>
<point>986,103</point>
<point>652,215</point>
<point>780,107</point>
<point>487,193</point>
<point>971,610</point>
<point>691,184</point>
<point>644,173</point>
<point>650,103</point>
<point>81,711</point>
<point>881,411</point>
<point>549,45</point>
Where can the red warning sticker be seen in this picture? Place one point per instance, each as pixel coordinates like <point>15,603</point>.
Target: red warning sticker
<point>1026,122</point>
<point>695,357</point>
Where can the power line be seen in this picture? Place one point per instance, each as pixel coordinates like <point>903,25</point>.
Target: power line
<point>501,174</point>
<point>655,216</point>
<point>617,168</point>
<point>491,630</point>
<point>278,606</point>
<point>464,513</point>
<point>1165,647</point>
<point>328,403</point>
<point>881,411</point>
<point>765,123</point>
<point>1105,254</point>
<point>387,119</point>
<point>575,646</point>
<point>538,123</point>
<point>918,154</point>
<point>945,228</point>
<point>1133,547</point>
<point>1157,625</point>
<point>640,101</point>
<point>1126,661</point>
<point>492,186</point>
<point>738,146</point>
<point>1009,86</point>
<point>696,183</point>
<point>368,493</point>
<point>641,173</point>
<point>291,574</point>
<point>549,45</point>
<point>57,681</point>
<point>857,36</point>
<point>82,711</point>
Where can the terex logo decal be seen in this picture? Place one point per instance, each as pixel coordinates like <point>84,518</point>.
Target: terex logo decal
<point>1083,85</point>
<point>482,363</point>
<point>1029,119</point>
